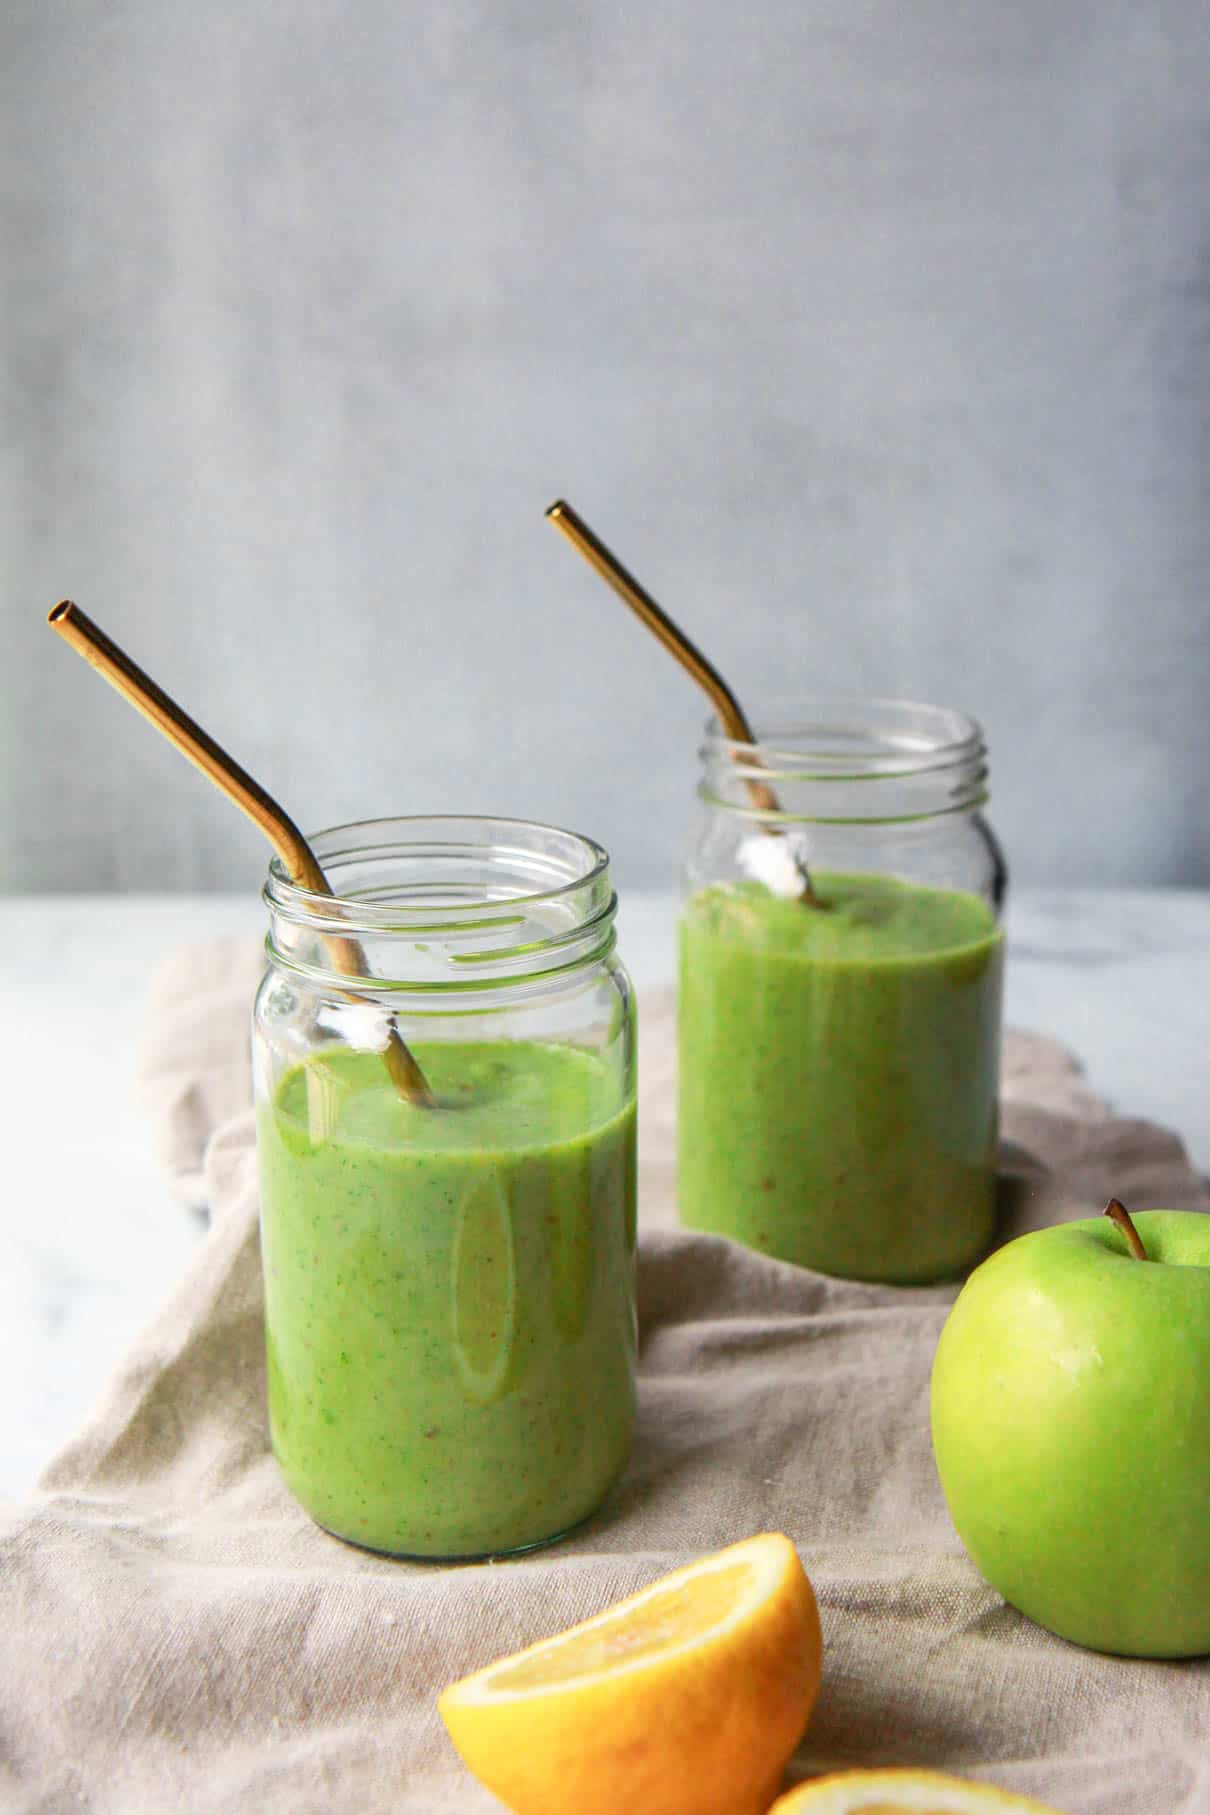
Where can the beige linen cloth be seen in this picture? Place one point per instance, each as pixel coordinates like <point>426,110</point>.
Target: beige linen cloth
<point>176,1635</point>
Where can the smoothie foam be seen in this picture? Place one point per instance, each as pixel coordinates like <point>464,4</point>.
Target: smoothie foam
<point>838,1074</point>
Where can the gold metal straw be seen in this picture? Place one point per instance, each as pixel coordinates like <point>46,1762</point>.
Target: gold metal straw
<point>115,666</point>
<point>731,714</point>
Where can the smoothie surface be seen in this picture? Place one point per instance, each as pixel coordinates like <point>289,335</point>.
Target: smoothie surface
<point>500,1095</point>
<point>865,919</point>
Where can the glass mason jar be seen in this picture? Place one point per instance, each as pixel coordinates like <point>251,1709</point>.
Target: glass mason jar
<point>839,1061</point>
<point>449,1289</point>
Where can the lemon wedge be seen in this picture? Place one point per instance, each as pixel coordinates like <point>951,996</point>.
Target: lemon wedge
<point>903,1792</point>
<point>690,1695</point>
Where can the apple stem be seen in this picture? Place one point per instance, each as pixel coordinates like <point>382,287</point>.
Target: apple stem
<point>1119,1215</point>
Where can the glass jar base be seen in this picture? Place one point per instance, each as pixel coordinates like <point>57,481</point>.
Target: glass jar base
<point>906,1269</point>
<point>498,1554</point>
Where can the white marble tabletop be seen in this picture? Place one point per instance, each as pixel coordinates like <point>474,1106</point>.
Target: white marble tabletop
<point>91,1240</point>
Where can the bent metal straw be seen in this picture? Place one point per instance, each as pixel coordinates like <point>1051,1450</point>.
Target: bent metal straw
<point>115,666</point>
<point>731,714</point>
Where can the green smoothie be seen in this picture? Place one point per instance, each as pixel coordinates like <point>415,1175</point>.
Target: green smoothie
<point>838,1074</point>
<point>449,1295</point>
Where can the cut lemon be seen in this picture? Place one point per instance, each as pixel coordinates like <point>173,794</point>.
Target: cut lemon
<point>688,1696</point>
<point>902,1792</point>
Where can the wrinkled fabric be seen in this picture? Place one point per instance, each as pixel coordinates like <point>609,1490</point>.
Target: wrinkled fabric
<point>176,1634</point>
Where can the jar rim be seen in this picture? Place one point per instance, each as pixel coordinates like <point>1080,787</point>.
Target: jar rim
<point>881,734</point>
<point>282,893</point>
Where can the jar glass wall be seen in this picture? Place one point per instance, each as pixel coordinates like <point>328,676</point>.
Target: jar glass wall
<point>839,1062</point>
<point>449,1290</point>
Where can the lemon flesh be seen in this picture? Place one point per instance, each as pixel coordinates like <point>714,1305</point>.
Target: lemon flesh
<point>903,1792</point>
<point>691,1694</point>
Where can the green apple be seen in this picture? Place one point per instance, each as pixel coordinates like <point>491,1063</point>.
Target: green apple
<point>1071,1428</point>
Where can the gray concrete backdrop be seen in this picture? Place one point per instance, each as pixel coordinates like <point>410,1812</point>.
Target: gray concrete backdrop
<point>876,337</point>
